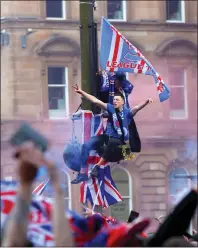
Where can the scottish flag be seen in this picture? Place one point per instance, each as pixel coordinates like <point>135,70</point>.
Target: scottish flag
<point>117,54</point>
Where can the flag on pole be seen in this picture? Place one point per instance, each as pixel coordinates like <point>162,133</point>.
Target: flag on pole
<point>117,54</point>
<point>40,188</point>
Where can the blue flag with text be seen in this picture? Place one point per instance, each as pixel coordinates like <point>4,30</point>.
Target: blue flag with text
<point>117,54</point>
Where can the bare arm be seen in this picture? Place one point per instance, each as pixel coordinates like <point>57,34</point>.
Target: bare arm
<point>137,108</point>
<point>17,223</point>
<point>94,100</point>
<point>62,231</point>
<point>16,226</point>
<point>91,98</point>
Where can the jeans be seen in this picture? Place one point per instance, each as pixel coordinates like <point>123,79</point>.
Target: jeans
<point>95,143</point>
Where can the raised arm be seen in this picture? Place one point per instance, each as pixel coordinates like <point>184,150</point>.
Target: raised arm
<point>90,98</point>
<point>141,106</point>
<point>16,226</point>
<point>62,231</point>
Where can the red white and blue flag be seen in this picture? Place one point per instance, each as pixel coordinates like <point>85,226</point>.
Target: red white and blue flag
<point>95,232</point>
<point>117,54</point>
<point>100,191</point>
<point>40,226</point>
<point>40,188</point>
<point>87,232</point>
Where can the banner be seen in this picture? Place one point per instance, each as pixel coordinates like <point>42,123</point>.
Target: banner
<point>117,54</point>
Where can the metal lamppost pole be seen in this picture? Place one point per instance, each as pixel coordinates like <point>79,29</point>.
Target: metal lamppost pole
<point>89,55</point>
<point>87,49</point>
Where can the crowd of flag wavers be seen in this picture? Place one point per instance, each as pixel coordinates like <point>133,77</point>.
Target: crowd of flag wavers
<point>30,220</point>
<point>27,220</point>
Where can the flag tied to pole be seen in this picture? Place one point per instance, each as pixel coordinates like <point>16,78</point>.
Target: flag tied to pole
<point>117,54</point>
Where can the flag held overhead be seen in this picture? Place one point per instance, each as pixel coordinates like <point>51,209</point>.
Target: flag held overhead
<point>117,54</point>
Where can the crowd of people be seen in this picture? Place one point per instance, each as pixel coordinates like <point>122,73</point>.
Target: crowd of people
<point>91,229</point>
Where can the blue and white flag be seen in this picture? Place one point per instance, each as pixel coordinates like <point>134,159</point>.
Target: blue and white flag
<point>117,54</point>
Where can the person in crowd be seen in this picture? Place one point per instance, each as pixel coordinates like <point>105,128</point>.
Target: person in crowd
<point>15,232</point>
<point>95,229</point>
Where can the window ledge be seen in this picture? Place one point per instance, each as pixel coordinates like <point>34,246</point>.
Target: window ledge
<point>179,118</point>
<point>117,20</point>
<point>155,22</point>
<point>175,21</point>
<point>57,119</point>
<point>32,19</point>
<point>56,18</point>
<point>145,25</point>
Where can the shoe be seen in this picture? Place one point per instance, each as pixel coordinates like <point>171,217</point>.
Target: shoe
<point>94,171</point>
<point>80,178</point>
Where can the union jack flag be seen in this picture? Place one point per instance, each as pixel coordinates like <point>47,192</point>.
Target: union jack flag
<point>102,190</point>
<point>92,231</point>
<point>95,232</point>
<point>117,54</point>
<point>40,227</point>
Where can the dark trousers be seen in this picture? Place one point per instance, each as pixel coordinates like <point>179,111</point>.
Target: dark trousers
<point>95,143</point>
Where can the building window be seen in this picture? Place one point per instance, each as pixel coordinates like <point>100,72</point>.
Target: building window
<point>58,92</point>
<point>116,10</point>
<point>55,9</point>
<point>178,99</point>
<point>8,178</point>
<point>175,10</point>
<point>122,179</point>
<point>177,186</point>
<point>65,185</point>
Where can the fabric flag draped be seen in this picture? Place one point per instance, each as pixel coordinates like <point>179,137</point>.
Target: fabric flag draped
<point>95,232</point>
<point>100,191</point>
<point>92,231</point>
<point>40,227</point>
<point>117,54</point>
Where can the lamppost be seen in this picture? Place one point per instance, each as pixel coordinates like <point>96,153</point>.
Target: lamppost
<point>89,50</point>
<point>89,55</point>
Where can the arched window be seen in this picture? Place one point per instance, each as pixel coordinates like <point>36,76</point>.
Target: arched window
<point>65,185</point>
<point>177,185</point>
<point>122,180</point>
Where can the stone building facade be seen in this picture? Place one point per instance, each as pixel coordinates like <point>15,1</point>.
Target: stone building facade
<point>40,55</point>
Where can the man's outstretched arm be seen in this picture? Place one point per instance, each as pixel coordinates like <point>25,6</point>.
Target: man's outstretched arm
<point>90,98</point>
<point>141,106</point>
